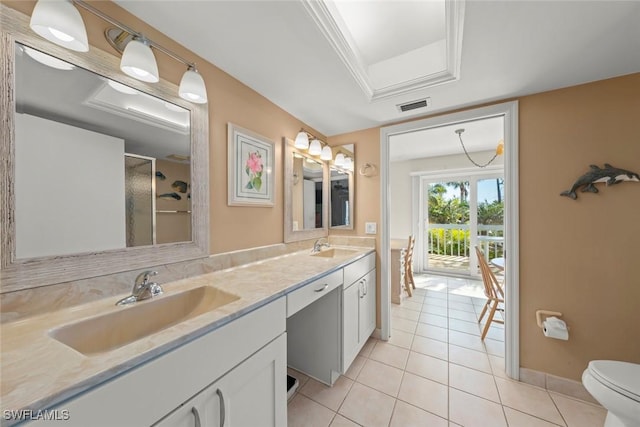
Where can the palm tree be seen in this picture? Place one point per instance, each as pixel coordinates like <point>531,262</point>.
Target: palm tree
<point>462,185</point>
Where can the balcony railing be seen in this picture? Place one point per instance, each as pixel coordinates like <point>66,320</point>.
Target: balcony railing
<point>455,240</point>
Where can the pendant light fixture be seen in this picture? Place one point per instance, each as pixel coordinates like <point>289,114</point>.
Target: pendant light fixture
<point>192,87</point>
<point>499,150</point>
<point>139,62</point>
<point>302,140</point>
<point>60,23</point>
<point>315,148</point>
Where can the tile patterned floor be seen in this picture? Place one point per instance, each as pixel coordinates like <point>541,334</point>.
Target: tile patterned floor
<point>435,371</point>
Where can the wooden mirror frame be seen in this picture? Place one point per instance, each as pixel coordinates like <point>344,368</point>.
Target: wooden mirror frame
<point>18,274</point>
<point>289,234</point>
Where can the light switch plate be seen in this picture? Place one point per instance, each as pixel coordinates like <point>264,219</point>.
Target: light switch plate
<point>370,227</point>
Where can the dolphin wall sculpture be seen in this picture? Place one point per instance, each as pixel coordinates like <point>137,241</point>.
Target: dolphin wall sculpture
<point>608,174</point>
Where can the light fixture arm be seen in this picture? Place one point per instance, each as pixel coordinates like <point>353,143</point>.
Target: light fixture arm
<point>459,132</point>
<point>86,6</point>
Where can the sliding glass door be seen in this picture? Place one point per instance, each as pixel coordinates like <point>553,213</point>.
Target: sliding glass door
<point>458,213</point>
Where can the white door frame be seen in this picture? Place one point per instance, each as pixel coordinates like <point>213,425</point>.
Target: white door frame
<point>509,110</point>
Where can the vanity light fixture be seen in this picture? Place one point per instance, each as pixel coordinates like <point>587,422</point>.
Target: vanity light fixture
<point>139,62</point>
<point>59,21</point>
<point>192,86</point>
<point>315,148</point>
<point>339,161</point>
<point>302,140</point>
<point>326,153</point>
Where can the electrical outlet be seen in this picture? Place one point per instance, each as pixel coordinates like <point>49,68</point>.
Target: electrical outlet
<point>370,227</point>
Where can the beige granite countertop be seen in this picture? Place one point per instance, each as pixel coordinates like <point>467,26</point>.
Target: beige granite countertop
<point>39,372</point>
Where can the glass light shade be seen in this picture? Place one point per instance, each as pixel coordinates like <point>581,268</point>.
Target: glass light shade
<point>60,22</point>
<point>315,149</point>
<point>348,164</point>
<point>326,153</point>
<point>339,161</point>
<point>48,60</point>
<point>192,87</point>
<point>139,62</point>
<point>302,141</point>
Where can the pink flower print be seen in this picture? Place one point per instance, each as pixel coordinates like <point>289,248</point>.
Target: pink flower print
<point>254,163</point>
<point>253,169</point>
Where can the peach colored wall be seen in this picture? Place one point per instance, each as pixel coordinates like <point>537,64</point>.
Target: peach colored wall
<point>580,257</point>
<point>577,257</point>
<point>232,228</point>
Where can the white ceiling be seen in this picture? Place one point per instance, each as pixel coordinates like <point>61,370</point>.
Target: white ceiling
<point>478,135</point>
<point>509,48</point>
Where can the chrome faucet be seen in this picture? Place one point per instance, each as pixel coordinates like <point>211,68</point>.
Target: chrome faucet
<point>142,289</point>
<point>318,245</point>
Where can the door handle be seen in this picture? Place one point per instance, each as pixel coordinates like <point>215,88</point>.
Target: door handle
<point>323,288</point>
<point>364,286</point>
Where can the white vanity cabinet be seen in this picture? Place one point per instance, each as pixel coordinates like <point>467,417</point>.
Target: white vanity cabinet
<point>359,307</point>
<point>328,324</point>
<point>250,395</point>
<point>244,359</point>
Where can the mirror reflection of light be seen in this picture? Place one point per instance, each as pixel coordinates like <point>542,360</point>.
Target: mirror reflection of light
<point>122,88</point>
<point>48,60</point>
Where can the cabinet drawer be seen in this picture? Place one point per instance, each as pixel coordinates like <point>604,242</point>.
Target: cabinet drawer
<point>356,270</point>
<point>300,298</point>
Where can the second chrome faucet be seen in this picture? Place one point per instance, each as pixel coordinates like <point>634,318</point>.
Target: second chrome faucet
<point>143,289</point>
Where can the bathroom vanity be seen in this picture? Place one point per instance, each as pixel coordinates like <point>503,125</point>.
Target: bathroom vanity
<point>226,366</point>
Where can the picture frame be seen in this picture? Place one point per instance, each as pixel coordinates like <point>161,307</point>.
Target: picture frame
<point>251,168</point>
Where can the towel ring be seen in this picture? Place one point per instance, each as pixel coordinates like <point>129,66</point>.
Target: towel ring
<point>368,170</point>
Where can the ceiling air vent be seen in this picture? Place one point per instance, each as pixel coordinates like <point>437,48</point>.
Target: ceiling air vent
<point>413,105</point>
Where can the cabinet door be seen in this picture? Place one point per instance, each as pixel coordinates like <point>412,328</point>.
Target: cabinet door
<point>255,393</point>
<point>199,411</point>
<point>252,394</point>
<point>350,320</point>
<point>367,313</point>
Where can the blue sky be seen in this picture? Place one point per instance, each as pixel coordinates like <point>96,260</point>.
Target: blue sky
<point>487,190</point>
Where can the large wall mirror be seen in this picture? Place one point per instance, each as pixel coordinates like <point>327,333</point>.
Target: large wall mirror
<point>341,189</point>
<point>306,195</point>
<point>104,173</point>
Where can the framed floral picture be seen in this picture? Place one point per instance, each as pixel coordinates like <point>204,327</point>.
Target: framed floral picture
<point>251,165</point>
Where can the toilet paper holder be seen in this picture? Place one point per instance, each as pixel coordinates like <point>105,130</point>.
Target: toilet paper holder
<point>545,313</point>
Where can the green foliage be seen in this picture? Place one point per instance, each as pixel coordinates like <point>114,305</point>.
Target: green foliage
<point>456,211</point>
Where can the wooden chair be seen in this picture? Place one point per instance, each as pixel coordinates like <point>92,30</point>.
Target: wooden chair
<point>409,283</point>
<point>492,290</point>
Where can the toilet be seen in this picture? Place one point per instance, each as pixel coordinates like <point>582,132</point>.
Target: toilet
<point>616,385</point>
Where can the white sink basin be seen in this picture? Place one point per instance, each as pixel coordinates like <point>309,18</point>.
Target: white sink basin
<point>115,329</point>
